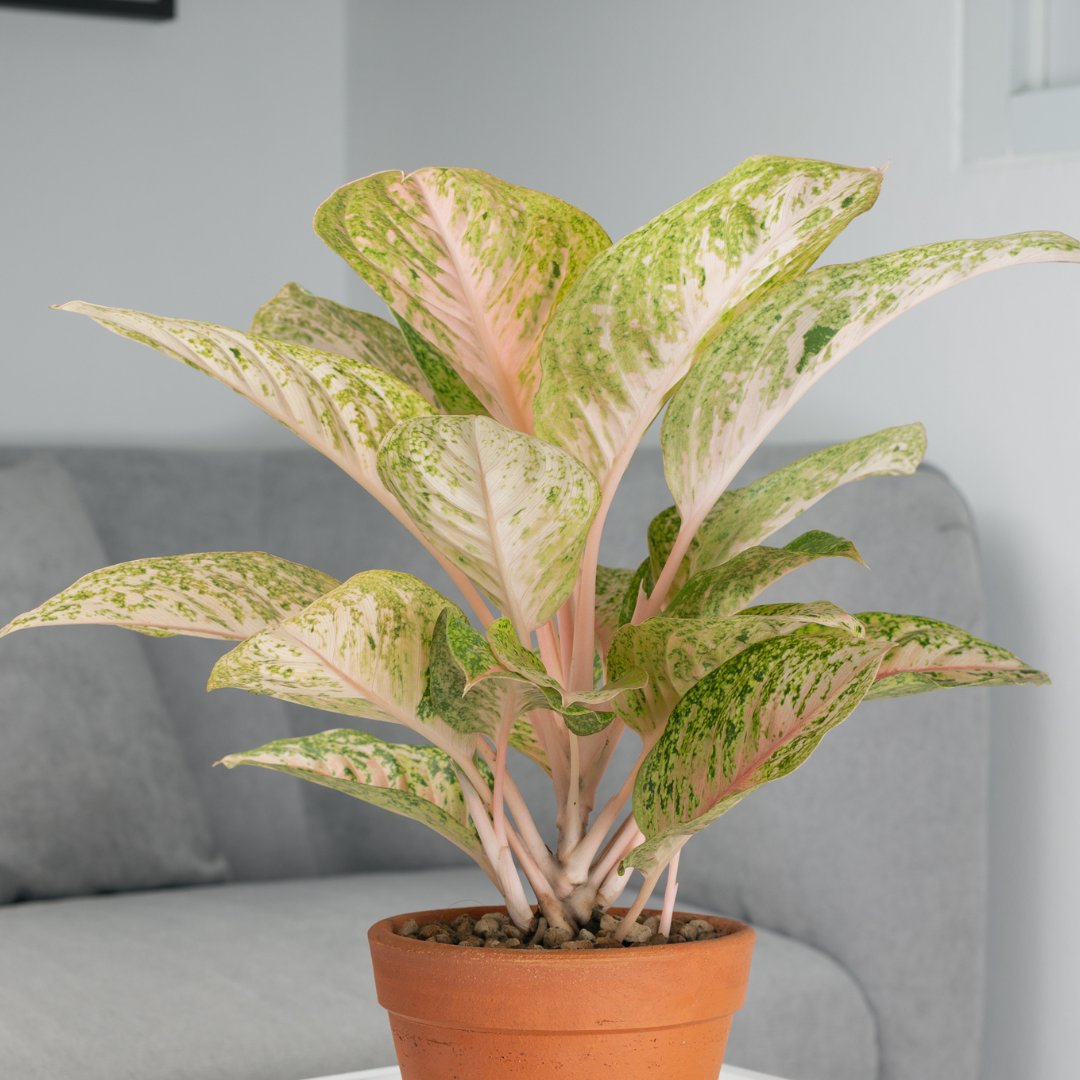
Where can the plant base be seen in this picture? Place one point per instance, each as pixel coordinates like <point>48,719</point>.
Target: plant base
<point>488,1014</point>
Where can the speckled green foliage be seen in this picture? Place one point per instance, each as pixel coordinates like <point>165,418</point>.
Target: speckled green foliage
<point>218,594</point>
<point>575,706</point>
<point>471,690</point>
<point>449,387</point>
<point>361,650</point>
<point>297,315</point>
<point>418,782</point>
<point>511,510</point>
<point>552,351</point>
<point>523,739</point>
<point>458,691</point>
<point>678,653</point>
<point>474,265</point>
<point>642,580</point>
<point>746,516</point>
<point>340,406</point>
<point>726,589</point>
<point>612,584</point>
<point>631,326</point>
<point>755,719</point>
<point>930,655</point>
<point>744,382</point>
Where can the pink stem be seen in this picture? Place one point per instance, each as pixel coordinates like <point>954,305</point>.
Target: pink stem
<point>615,883</point>
<point>625,840</point>
<point>498,803</point>
<point>596,753</point>
<point>551,650</point>
<point>648,608</point>
<point>643,895</point>
<point>581,667</point>
<point>592,840</point>
<point>552,734</point>
<point>570,833</point>
<point>669,894</point>
<point>530,835</point>
<point>517,905</point>
<point>471,594</point>
<point>550,904</point>
<point>566,636</point>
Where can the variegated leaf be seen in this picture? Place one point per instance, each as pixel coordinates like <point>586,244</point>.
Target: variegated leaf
<point>677,653</point>
<point>728,588</point>
<point>755,719</point>
<point>452,391</point>
<point>515,657</point>
<point>470,689</point>
<point>523,739</point>
<point>507,508</point>
<point>219,594</point>
<point>463,687</point>
<point>746,516</point>
<point>930,655</point>
<point>342,407</point>
<point>611,587</point>
<point>418,782</point>
<point>361,650</point>
<point>576,706</point>
<point>297,315</point>
<point>745,381</point>
<point>474,265</point>
<point>641,584</point>
<point>629,330</point>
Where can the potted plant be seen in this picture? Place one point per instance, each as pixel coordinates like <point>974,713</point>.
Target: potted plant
<point>494,419</point>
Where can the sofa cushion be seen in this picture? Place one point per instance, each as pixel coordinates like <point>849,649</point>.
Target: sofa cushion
<point>272,981</point>
<point>97,794</point>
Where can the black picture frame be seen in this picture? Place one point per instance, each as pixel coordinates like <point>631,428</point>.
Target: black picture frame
<point>132,9</point>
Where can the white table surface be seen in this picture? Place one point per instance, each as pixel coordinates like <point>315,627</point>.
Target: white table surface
<point>390,1072</point>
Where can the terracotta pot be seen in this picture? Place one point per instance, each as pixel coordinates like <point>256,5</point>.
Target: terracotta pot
<point>488,1014</point>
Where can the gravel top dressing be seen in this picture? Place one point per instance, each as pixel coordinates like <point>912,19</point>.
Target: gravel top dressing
<point>496,931</point>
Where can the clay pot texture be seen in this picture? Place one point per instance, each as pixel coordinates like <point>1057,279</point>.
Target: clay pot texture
<point>489,1014</point>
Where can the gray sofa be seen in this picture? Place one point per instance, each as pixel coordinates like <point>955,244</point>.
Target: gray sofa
<point>168,920</point>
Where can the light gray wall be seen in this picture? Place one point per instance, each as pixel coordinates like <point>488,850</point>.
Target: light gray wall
<point>172,167</point>
<point>623,107</point>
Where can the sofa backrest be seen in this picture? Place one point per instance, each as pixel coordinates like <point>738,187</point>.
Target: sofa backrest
<point>875,851</point>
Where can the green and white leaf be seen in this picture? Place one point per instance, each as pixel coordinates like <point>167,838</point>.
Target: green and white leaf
<point>463,684</point>
<point>473,691</point>
<point>418,782</point>
<point>342,407</point>
<point>746,516</point>
<point>585,712</point>
<point>218,594</point>
<point>930,655</point>
<point>474,265</point>
<point>451,390</point>
<point>641,584</point>
<point>361,650</point>
<point>728,588</point>
<point>507,508</point>
<point>746,380</point>
<point>676,654</point>
<point>753,720</point>
<point>523,739</point>
<point>612,584</point>
<point>297,315</point>
<point>632,325</point>
<point>525,663</point>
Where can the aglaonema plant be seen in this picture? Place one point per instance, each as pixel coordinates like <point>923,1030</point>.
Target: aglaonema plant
<point>495,418</point>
